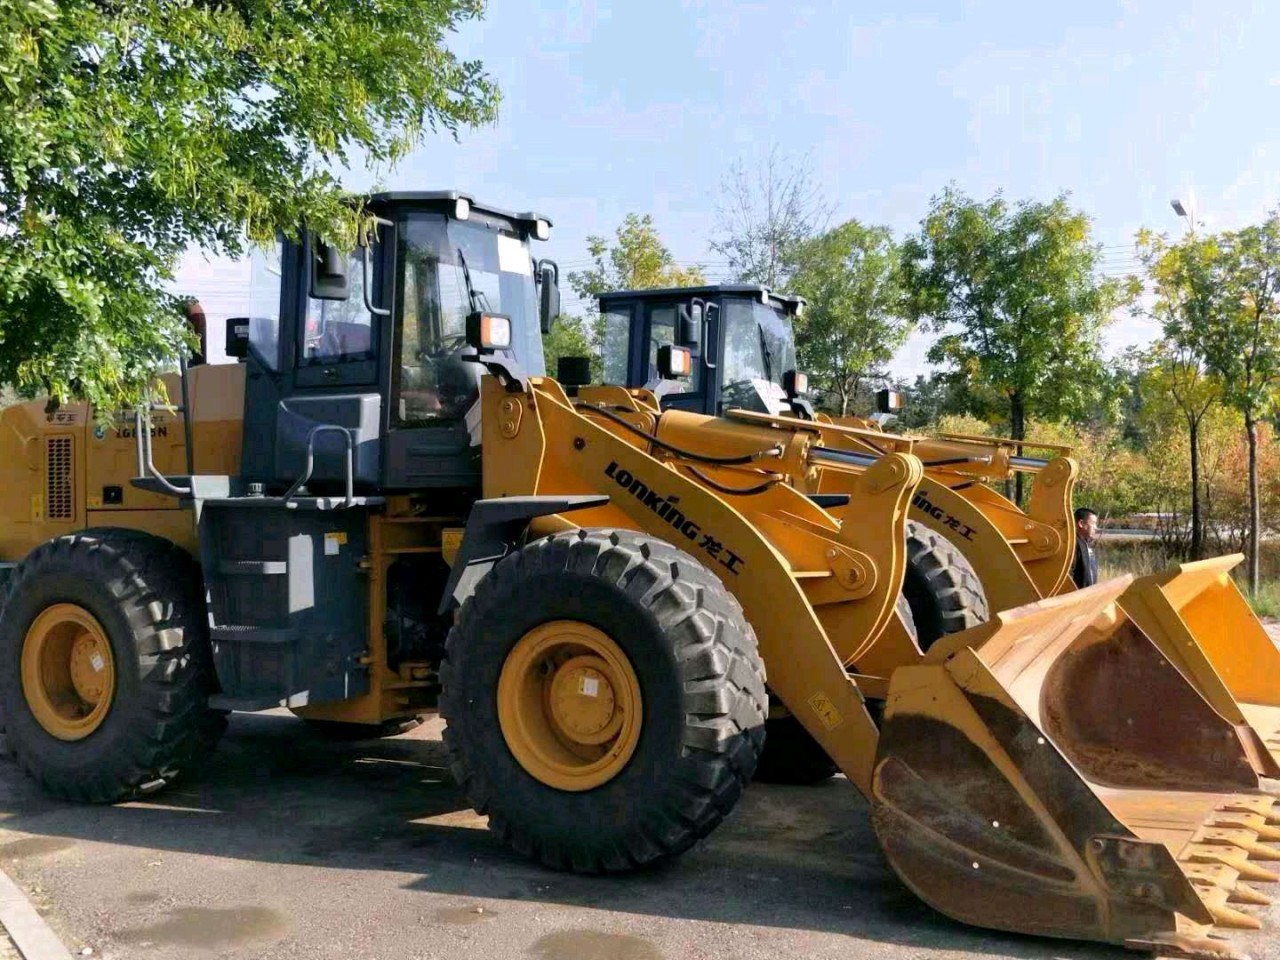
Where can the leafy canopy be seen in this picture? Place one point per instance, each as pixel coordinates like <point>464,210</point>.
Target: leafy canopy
<point>853,322</point>
<point>635,259</point>
<point>130,131</point>
<point>1015,293</point>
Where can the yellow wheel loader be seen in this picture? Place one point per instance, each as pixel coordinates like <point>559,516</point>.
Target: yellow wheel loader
<point>970,550</point>
<point>384,509</point>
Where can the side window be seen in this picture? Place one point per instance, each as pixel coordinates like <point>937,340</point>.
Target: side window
<point>617,344</point>
<point>338,331</point>
<point>662,331</point>
<point>264,305</point>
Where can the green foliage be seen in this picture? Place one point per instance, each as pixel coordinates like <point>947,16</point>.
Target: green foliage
<point>636,259</point>
<point>1240,337</point>
<point>1014,293</point>
<point>853,321</point>
<point>131,131</point>
<point>927,399</point>
<point>570,336</point>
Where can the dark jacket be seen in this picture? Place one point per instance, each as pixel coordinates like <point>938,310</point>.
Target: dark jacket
<point>1085,570</point>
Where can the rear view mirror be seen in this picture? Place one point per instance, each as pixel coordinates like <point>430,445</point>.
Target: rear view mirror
<point>689,322</point>
<point>795,383</point>
<point>674,363</point>
<point>573,371</point>
<point>329,277</point>
<point>237,342</point>
<point>549,282</point>
<point>888,401</point>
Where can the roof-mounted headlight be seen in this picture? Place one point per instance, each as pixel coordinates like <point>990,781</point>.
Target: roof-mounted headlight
<point>542,229</point>
<point>461,208</point>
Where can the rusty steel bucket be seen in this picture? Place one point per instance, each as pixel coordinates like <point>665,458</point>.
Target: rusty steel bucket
<point>1054,772</point>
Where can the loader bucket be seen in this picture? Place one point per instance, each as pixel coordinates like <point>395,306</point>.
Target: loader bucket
<point>1051,772</point>
<point>1198,618</point>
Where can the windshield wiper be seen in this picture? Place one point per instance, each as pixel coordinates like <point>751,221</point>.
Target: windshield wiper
<point>473,295</point>
<point>768,355</point>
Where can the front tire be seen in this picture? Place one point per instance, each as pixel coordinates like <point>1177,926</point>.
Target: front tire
<point>941,586</point>
<point>105,667</point>
<point>604,700</point>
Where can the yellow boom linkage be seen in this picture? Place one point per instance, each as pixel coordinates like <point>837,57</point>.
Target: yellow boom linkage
<point>1066,769</point>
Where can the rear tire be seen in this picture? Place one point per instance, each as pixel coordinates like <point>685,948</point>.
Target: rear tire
<point>142,595</point>
<point>941,586</point>
<point>676,644</point>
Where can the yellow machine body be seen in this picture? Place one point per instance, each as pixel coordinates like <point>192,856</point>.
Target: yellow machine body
<point>1083,765</point>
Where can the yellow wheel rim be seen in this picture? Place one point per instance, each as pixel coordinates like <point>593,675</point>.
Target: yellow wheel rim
<point>68,673</point>
<point>569,705</point>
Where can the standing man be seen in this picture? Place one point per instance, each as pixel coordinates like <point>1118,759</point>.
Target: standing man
<point>1085,570</point>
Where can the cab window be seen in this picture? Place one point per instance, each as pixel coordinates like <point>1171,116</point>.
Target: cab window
<point>662,332</point>
<point>339,331</point>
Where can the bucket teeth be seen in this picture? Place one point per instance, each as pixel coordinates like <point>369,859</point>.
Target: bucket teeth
<point>1224,916</point>
<point>1231,856</point>
<point>1210,874</point>
<point>1247,821</point>
<point>1243,893</point>
<point>1245,840</point>
<point>1263,806</point>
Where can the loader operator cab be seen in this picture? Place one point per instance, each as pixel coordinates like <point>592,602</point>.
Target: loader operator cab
<point>375,342</point>
<point>739,337</point>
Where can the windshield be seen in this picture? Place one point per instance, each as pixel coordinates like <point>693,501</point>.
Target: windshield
<point>758,343</point>
<point>758,349</point>
<point>451,268</point>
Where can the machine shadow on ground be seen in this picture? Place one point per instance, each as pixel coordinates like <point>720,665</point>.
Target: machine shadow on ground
<point>797,857</point>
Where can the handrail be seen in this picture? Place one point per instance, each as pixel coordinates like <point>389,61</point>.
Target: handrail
<point>311,461</point>
<point>142,444</point>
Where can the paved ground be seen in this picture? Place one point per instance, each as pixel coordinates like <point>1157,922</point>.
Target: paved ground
<point>287,846</point>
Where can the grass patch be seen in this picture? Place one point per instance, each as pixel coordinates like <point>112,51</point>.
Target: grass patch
<point>1266,602</point>
<point>1141,557</point>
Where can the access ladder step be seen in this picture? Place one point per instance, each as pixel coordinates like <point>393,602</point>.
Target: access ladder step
<point>242,633</point>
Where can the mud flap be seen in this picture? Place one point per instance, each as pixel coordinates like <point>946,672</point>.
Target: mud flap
<point>1052,773</point>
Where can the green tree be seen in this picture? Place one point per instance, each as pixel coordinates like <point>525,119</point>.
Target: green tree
<point>1240,341</point>
<point>853,321</point>
<point>635,259</point>
<point>1014,292</point>
<point>1188,290</point>
<point>131,131</point>
<point>1176,379</point>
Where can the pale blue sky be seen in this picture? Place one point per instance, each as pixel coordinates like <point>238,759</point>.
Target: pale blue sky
<point>611,107</point>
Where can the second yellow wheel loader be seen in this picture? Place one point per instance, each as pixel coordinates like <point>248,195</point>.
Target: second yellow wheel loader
<point>385,509</point>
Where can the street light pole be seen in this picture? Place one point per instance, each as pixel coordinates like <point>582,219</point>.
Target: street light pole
<point>1182,211</point>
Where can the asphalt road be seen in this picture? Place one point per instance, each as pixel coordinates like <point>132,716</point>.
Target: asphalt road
<point>288,846</point>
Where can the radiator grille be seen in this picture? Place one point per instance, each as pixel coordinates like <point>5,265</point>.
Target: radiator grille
<point>57,494</point>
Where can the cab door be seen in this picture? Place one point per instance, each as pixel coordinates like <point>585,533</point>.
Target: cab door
<point>659,326</point>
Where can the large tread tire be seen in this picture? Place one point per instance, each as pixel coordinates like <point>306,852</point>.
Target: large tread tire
<point>702,689</point>
<point>941,586</point>
<point>146,594</point>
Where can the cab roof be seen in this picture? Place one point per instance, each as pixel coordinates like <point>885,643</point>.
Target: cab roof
<point>787,302</point>
<point>446,199</point>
